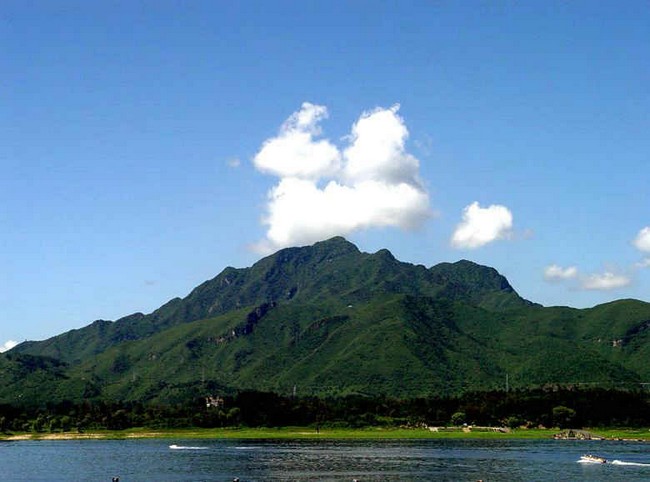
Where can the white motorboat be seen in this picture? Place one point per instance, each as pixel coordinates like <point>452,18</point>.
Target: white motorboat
<point>593,459</point>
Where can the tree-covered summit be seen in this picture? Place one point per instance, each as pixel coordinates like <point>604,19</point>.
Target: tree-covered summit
<point>328,319</point>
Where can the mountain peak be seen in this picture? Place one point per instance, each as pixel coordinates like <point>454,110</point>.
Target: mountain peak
<point>330,272</point>
<point>483,285</point>
<point>336,245</point>
<point>471,273</point>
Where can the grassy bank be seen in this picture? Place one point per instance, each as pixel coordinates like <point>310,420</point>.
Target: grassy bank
<point>309,433</point>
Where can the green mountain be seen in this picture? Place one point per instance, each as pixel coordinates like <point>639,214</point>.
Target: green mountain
<point>329,319</point>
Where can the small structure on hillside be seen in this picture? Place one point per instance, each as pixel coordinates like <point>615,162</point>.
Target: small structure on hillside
<point>216,402</point>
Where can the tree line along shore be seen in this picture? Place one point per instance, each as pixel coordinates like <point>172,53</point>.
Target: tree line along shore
<point>250,414</point>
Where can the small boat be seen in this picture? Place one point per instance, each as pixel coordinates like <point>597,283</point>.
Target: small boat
<point>593,459</point>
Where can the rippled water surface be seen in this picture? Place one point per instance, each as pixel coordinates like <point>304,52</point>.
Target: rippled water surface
<point>250,460</point>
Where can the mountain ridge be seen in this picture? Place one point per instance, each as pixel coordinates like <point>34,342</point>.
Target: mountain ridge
<point>336,320</point>
<point>211,297</point>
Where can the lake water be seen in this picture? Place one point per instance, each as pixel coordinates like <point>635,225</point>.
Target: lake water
<point>251,460</point>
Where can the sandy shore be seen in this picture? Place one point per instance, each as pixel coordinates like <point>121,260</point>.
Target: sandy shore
<point>323,433</point>
<point>81,436</point>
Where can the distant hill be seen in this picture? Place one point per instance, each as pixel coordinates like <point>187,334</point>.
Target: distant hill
<point>328,319</point>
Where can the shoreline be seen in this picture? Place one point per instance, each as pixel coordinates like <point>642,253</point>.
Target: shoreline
<point>309,433</point>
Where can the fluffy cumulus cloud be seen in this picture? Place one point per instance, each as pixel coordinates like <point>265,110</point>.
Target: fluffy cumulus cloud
<point>605,281</point>
<point>324,190</point>
<point>481,226</point>
<point>377,151</point>
<point>558,273</point>
<point>8,345</point>
<point>295,152</point>
<point>642,240</point>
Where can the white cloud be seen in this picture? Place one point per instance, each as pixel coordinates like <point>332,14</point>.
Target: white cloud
<point>605,281</point>
<point>609,279</point>
<point>645,263</point>
<point>323,191</point>
<point>557,273</point>
<point>8,345</point>
<point>377,150</point>
<point>295,152</point>
<point>481,226</point>
<point>642,240</point>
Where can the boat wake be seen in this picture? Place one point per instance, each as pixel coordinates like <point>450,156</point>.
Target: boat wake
<point>592,459</point>
<point>634,464</point>
<point>186,447</point>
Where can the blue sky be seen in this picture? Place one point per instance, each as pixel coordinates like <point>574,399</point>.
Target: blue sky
<point>146,145</point>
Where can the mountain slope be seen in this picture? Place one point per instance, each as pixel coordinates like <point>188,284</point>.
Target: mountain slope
<point>328,319</point>
<point>330,272</point>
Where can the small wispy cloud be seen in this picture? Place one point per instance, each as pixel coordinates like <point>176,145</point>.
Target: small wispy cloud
<point>324,190</point>
<point>642,240</point>
<point>611,278</point>
<point>233,162</point>
<point>645,263</point>
<point>480,226</point>
<point>642,243</point>
<point>424,145</point>
<point>557,273</point>
<point>8,345</point>
<point>605,281</point>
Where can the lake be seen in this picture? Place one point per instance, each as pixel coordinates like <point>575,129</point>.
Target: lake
<point>251,460</point>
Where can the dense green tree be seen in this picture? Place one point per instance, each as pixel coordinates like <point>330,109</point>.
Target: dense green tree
<point>563,417</point>
<point>458,418</point>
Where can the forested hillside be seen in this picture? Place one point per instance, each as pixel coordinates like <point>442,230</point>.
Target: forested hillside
<point>327,320</point>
